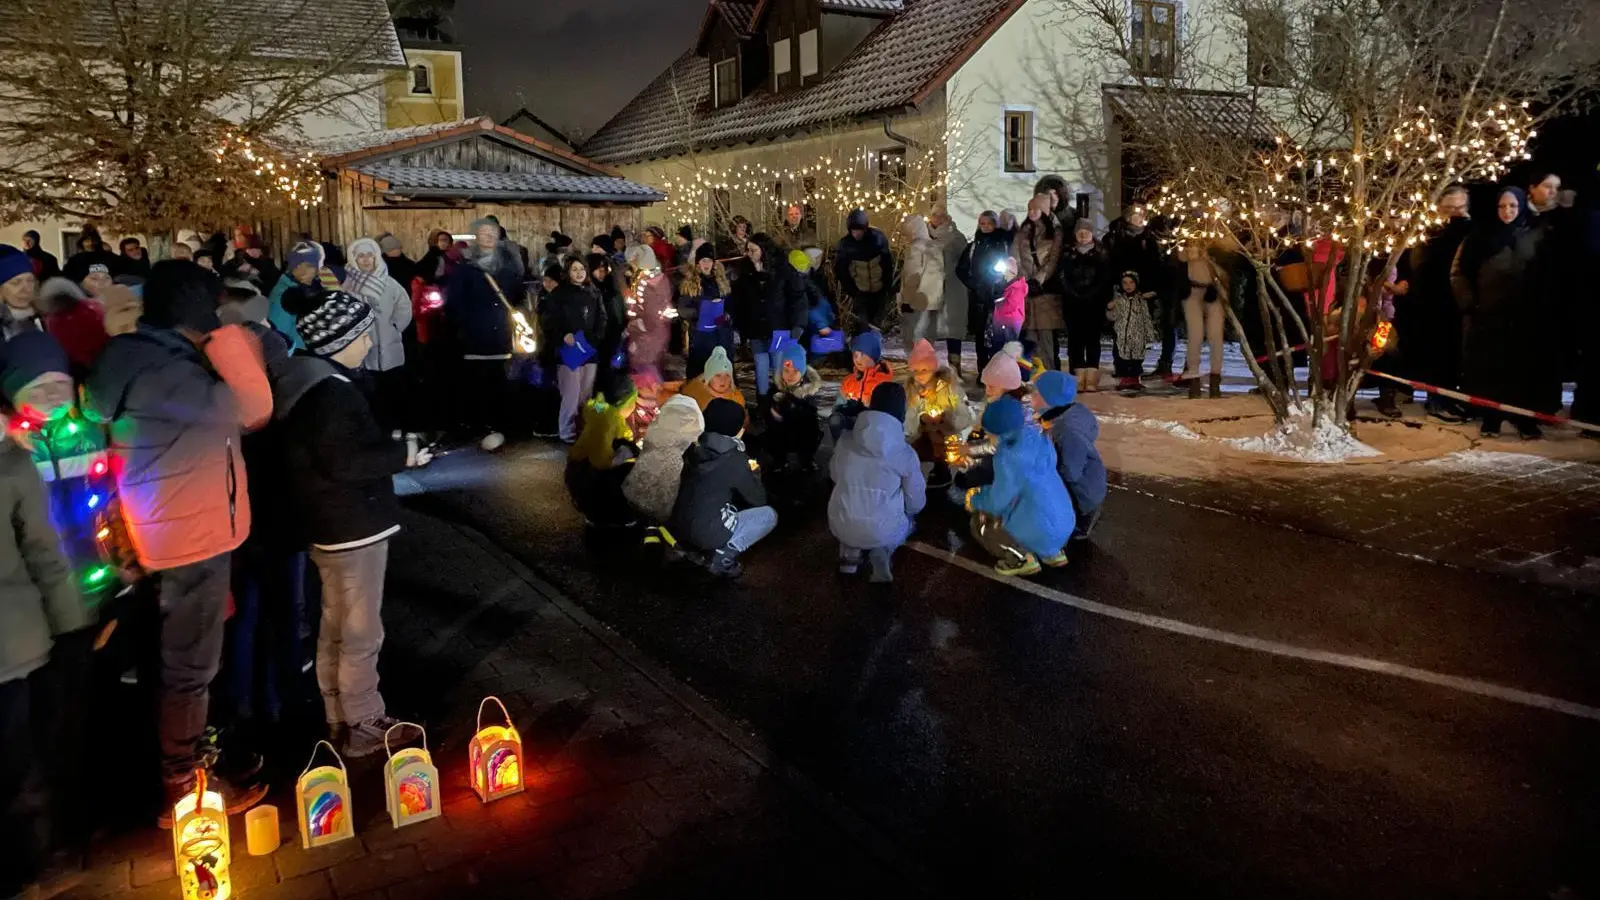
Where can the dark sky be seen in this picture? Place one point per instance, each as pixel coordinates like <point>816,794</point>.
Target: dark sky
<point>573,64</point>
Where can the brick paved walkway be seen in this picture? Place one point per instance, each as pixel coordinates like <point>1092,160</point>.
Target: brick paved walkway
<point>1514,514</point>
<point>634,786</point>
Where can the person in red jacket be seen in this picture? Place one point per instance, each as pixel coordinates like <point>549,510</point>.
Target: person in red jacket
<point>177,391</point>
<point>666,256</point>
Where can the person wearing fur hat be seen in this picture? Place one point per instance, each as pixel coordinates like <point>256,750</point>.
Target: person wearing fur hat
<point>341,467</point>
<point>794,429</point>
<point>868,370</point>
<point>1073,429</point>
<point>574,318</point>
<point>1025,515</point>
<point>877,486</point>
<point>863,265</point>
<point>176,393</point>
<point>599,461</point>
<point>651,485</point>
<point>650,312</point>
<point>721,507</point>
<point>705,292</point>
<point>715,383</point>
<point>488,280</point>
<point>937,410</point>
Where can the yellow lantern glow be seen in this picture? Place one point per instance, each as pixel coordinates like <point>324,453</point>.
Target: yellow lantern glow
<point>496,757</point>
<point>322,802</point>
<point>200,843</point>
<point>410,781</point>
<point>1382,335</point>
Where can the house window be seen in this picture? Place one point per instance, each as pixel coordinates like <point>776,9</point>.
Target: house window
<point>891,169</point>
<point>422,79</point>
<point>1019,140</point>
<point>725,78</point>
<point>809,54</point>
<point>1267,48</point>
<point>1330,52</point>
<point>782,64</point>
<point>1153,38</point>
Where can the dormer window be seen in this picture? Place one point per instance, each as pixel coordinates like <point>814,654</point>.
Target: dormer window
<point>421,79</point>
<point>782,64</point>
<point>810,56</point>
<point>725,82</point>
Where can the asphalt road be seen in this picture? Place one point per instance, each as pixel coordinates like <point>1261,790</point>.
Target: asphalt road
<point>1012,743</point>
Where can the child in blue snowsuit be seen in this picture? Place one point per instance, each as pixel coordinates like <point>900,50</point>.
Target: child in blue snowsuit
<point>1073,429</point>
<point>1025,516</point>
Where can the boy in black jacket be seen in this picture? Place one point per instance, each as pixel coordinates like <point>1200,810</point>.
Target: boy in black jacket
<point>721,506</point>
<point>341,467</point>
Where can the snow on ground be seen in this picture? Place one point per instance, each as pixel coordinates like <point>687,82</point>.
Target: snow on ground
<point>1297,440</point>
<point>1513,465</point>
<point>1176,429</point>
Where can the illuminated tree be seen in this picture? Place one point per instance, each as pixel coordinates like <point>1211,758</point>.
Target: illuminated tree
<point>1378,107</point>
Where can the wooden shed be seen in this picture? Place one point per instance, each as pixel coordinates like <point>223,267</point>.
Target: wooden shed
<point>412,182</point>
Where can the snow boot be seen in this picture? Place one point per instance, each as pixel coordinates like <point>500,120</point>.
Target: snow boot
<point>1196,389</point>
<point>1385,403</point>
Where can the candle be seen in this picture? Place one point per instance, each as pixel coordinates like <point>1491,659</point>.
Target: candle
<point>261,830</point>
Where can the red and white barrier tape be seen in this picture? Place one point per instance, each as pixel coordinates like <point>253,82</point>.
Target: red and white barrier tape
<point>1546,418</point>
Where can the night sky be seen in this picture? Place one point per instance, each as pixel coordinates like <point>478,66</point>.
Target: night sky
<point>572,64</point>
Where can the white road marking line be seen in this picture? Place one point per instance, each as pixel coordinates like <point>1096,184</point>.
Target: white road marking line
<point>1275,648</point>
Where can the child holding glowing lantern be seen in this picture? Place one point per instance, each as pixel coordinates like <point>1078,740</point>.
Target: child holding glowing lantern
<point>937,416</point>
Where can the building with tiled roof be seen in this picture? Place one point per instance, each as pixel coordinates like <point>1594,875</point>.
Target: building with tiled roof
<point>888,104</point>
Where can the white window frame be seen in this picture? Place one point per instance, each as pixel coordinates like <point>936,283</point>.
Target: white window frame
<point>716,81</point>
<point>411,79</point>
<point>782,61</point>
<point>810,53</point>
<point>1032,141</point>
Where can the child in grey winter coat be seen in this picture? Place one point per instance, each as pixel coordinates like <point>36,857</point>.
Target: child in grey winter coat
<point>877,486</point>
<point>651,487</point>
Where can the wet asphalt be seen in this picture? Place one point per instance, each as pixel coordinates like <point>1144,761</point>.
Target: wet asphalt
<point>1007,744</point>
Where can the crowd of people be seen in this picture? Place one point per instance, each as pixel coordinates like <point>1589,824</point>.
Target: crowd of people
<point>199,471</point>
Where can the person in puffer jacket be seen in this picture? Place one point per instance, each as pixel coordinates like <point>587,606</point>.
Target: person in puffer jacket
<point>1073,429</point>
<point>863,265</point>
<point>177,392</point>
<point>368,279</point>
<point>794,428</point>
<point>1025,515</point>
<point>722,505</point>
<point>937,414</point>
<point>652,485</point>
<point>877,486</point>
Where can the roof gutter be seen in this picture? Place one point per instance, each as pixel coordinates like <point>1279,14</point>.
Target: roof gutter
<point>526,196</point>
<point>891,134</point>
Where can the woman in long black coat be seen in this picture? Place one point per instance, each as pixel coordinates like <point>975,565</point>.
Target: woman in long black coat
<point>1509,351</point>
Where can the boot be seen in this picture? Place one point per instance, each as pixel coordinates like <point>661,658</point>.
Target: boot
<point>725,564</point>
<point>1385,403</point>
<point>879,568</point>
<point>1216,387</point>
<point>1196,389</point>
<point>1093,379</point>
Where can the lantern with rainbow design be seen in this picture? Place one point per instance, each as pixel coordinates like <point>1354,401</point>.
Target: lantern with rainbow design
<point>200,843</point>
<point>322,802</point>
<point>410,781</point>
<point>496,756</point>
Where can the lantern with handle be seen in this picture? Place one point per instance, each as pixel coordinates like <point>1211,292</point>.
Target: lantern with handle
<point>496,756</point>
<point>200,843</point>
<point>322,802</point>
<point>410,781</point>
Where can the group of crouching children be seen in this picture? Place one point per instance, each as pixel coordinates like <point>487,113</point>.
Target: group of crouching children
<point>1023,463</point>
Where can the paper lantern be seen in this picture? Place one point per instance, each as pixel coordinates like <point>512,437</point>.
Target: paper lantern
<point>322,802</point>
<point>496,756</point>
<point>200,843</point>
<point>410,781</point>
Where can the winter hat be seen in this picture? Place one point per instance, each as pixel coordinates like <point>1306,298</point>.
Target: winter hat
<point>681,417</point>
<point>656,233</point>
<point>1057,388</point>
<point>305,253</point>
<point>555,273</point>
<point>557,244</point>
<point>1003,372</point>
<point>717,364</point>
<point>923,358</point>
<point>724,417</point>
<point>335,323</point>
<point>870,343</point>
<point>617,234</point>
<point>602,241</point>
<point>686,233</point>
<point>800,261</point>
<point>596,260</point>
<point>857,219</point>
<point>30,233</point>
<point>815,255</point>
<point>793,353</point>
<point>13,262</point>
<point>181,294</point>
<point>388,242</point>
<point>1003,417</point>
<point>26,357</point>
<point>641,257</point>
<point>704,251</point>
<point>889,398</point>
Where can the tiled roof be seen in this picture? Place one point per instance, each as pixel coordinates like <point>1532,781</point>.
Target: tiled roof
<point>740,15</point>
<point>360,30</point>
<point>1201,113</point>
<point>343,150</point>
<point>867,6</point>
<point>416,181</point>
<point>900,63</point>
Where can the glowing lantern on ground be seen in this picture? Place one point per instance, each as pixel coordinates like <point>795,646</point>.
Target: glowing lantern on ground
<point>322,802</point>
<point>200,843</point>
<point>410,781</point>
<point>496,756</point>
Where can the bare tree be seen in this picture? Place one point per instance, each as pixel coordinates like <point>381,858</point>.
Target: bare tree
<point>1373,108</point>
<point>154,115</point>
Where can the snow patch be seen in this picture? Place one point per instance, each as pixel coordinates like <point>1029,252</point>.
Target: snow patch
<point>1176,429</point>
<point>1297,440</point>
<point>1497,462</point>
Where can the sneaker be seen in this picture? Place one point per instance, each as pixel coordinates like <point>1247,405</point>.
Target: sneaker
<point>1028,565</point>
<point>1443,413</point>
<point>1057,561</point>
<point>725,564</point>
<point>237,799</point>
<point>880,567</point>
<point>849,562</point>
<point>492,441</point>
<point>366,737</point>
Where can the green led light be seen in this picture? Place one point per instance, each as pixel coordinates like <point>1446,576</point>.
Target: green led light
<point>99,575</point>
